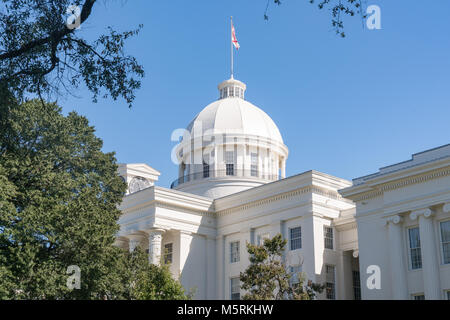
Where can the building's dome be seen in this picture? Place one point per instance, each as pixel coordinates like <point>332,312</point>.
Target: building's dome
<point>230,146</point>
<point>236,116</point>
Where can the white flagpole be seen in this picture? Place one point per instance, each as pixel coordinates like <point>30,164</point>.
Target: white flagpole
<point>231,43</point>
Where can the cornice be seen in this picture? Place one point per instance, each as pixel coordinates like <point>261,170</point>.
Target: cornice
<point>378,190</point>
<point>283,196</point>
<point>184,209</point>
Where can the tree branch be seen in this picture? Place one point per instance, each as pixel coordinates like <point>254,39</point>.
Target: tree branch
<point>54,36</point>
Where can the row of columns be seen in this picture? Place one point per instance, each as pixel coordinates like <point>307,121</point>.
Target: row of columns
<point>265,166</point>
<point>429,251</point>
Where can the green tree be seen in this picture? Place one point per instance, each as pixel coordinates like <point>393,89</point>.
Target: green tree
<point>145,281</point>
<point>59,197</point>
<point>267,277</point>
<point>43,53</point>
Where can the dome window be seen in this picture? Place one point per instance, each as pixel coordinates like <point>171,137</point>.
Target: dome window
<point>254,165</point>
<point>205,170</point>
<point>229,160</point>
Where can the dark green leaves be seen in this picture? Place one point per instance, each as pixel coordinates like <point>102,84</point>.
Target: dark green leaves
<point>267,277</point>
<point>40,55</point>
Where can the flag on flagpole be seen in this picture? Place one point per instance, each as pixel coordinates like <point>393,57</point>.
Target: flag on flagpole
<point>233,37</point>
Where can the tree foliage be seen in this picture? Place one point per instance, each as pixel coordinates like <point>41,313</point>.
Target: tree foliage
<point>151,282</point>
<point>268,278</point>
<point>42,53</point>
<point>338,9</point>
<point>59,197</point>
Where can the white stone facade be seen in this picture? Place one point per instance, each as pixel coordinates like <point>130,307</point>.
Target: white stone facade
<point>390,206</point>
<point>335,229</point>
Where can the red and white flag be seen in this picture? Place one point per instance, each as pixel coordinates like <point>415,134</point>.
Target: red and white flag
<point>233,37</point>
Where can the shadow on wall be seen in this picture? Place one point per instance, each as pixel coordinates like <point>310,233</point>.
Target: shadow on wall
<point>197,264</point>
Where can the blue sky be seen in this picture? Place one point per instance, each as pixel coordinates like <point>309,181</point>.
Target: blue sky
<point>344,106</point>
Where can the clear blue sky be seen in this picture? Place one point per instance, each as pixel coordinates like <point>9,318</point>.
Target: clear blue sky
<point>344,106</point>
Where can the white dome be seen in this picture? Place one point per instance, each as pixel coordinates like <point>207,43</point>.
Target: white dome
<point>236,116</point>
<point>230,146</point>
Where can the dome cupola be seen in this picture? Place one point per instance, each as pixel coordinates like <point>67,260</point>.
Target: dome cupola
<point>231,88</point>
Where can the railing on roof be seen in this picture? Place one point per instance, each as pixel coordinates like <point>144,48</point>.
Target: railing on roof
<point>229,173</point>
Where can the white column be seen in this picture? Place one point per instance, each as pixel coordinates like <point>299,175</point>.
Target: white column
<point>283,168</point>
<point>211,271</point>
<point>220,264</point>
<point>396,255</point>
<point>430,259</point>
<point>154,246</point>
<point>185,244</point>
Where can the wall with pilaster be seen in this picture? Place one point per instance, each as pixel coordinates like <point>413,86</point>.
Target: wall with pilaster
<point>417,202</point>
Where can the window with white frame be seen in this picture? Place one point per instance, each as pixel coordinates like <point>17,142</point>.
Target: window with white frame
<point>229,163</point>
<point>235,289</point>
<point>415,252</point>
<point>445,241</point>
<point>260,238</point>
<point>328,237</point>
<point>168,253</point>
<point>295,238</point>
<point>254,164</point>
<point>295,272</point>
<point>330,274</point>
<point>418,296</point>
<point>234,251</point>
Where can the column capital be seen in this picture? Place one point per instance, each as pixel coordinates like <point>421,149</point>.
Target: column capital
<point>137,236</point>
<point>426,213</point>
<point>396,219</point>
<point>154,232</point>
<point>446,207</point>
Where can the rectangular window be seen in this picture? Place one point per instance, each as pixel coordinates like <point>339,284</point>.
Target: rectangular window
<point>260,239</point>
<point>445,241</point>
<point>330,282</point>
<point>235,289</point>
<point>448,294</point>
<point>229,160</point>
<point>234,251</point>
<point>356,285</point>
<point>418,296</point>
<point>414,248</point>
<point>205,170</point>
<point>295,275</point>
<point>328,235</point>
<point>295,238</point>
<point>254,165</point>
<point>168,253</point>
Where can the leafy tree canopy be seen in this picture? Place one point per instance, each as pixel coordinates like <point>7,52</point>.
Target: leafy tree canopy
<point>59,197</point>
<point>268,277</point>
<point>43,53</point>
<point>151,282</point>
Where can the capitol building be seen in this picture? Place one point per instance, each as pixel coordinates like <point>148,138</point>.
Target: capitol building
<point>382,236</point>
